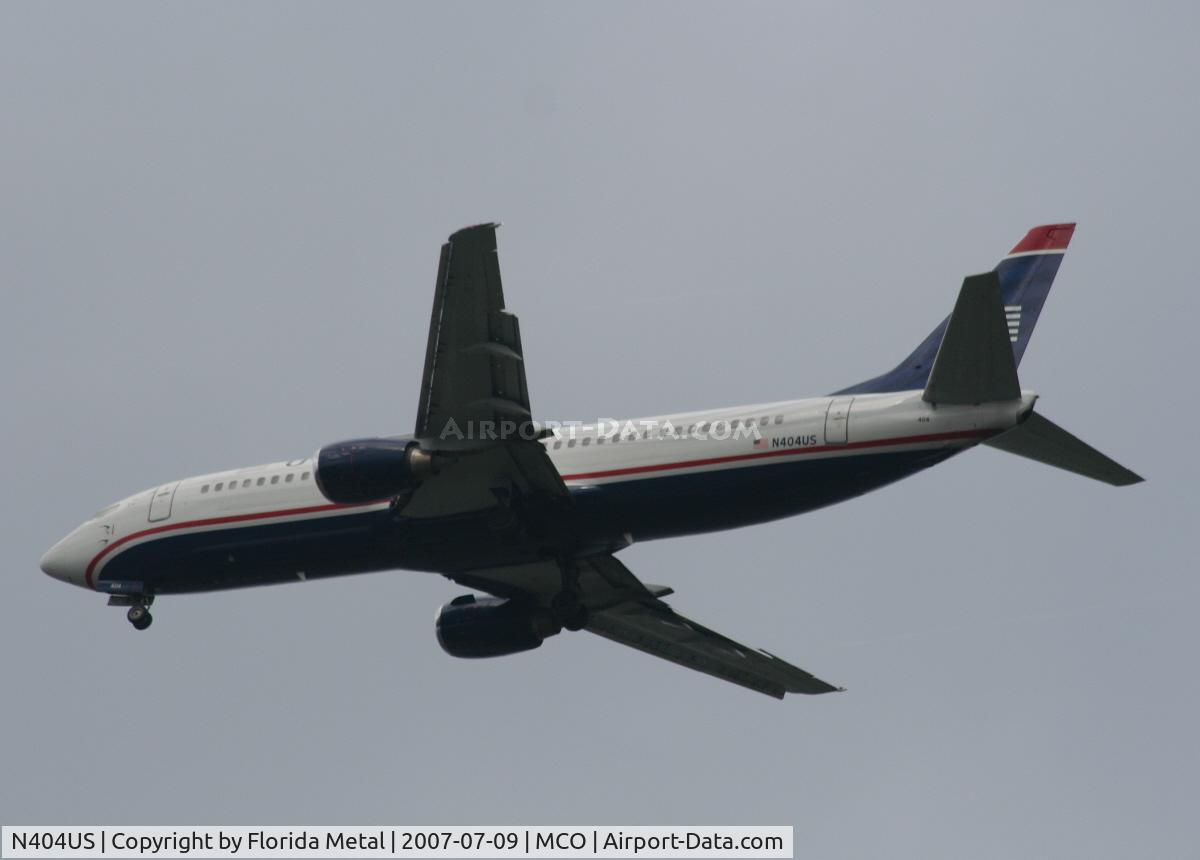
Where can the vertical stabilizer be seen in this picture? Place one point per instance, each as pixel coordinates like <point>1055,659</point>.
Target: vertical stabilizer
<point>975,362</point>
<point>1025,275</point>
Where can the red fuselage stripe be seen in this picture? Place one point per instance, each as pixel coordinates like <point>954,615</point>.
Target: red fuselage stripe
<point>213,521</point>
<point>782,452</point>
<point>609,473</point>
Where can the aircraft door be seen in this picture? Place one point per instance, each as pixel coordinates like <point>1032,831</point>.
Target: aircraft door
<point>160,502</point>
<point>837,420</point>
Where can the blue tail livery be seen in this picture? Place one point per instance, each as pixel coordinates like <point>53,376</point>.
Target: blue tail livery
<point>1026,275</point>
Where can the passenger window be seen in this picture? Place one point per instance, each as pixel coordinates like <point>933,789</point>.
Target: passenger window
<point>274,479</point>
<point>219,485</point>
<point>765,420</point>
<point>778,419</point>
<point>571,442</point>
<point>261,481</point>
<point>245,483</point>
<point>304,476</point>
<point>587,440</point>
<point>600,440</point>
<point>204,489</point>
<point>288,479</point>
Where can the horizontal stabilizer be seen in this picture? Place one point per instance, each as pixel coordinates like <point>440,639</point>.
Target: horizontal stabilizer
<point>975,362</point>
<point>1041,439</point>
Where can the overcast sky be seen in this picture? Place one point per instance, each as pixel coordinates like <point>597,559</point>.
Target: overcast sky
<point>219,228</point>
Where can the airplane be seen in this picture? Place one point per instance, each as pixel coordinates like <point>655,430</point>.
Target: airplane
<point>531,515</point>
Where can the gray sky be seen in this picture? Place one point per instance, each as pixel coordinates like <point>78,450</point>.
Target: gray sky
<point>219,228</point>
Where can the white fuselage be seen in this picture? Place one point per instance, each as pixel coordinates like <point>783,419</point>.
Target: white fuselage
<point>587,456</point>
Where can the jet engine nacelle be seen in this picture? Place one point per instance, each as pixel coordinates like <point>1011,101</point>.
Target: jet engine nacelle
<point>471,626</point>
<point>366,470</point>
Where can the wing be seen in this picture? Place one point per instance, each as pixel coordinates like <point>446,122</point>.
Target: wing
<point>623,609</point>
<point>474,400</point>
<point>655,628</point>
<point>474,408</point>
<point>474,367</point>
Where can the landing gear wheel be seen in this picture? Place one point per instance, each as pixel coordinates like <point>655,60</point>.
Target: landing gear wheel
<point>139,616</point>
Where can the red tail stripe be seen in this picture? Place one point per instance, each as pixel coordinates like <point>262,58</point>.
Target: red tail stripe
<point>1048,237</point>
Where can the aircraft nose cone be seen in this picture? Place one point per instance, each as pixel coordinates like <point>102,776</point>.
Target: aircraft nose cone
<point>57,562</point>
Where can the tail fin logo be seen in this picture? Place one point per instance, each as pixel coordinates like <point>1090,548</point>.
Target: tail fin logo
<point>1013,314</point>
<point>1026,274</point>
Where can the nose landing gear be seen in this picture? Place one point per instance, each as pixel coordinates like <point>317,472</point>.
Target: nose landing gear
<point>139,616</point>
<point>139,608</point>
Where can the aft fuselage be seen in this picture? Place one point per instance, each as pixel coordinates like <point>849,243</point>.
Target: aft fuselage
<point>633,480</point>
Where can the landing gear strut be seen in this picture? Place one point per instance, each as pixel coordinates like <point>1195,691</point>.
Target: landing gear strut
<point>567,607</point>
<point>503,520</point>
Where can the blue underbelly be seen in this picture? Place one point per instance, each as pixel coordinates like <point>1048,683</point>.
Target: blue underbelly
<point>675,505</point>
<point>667,505</point>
